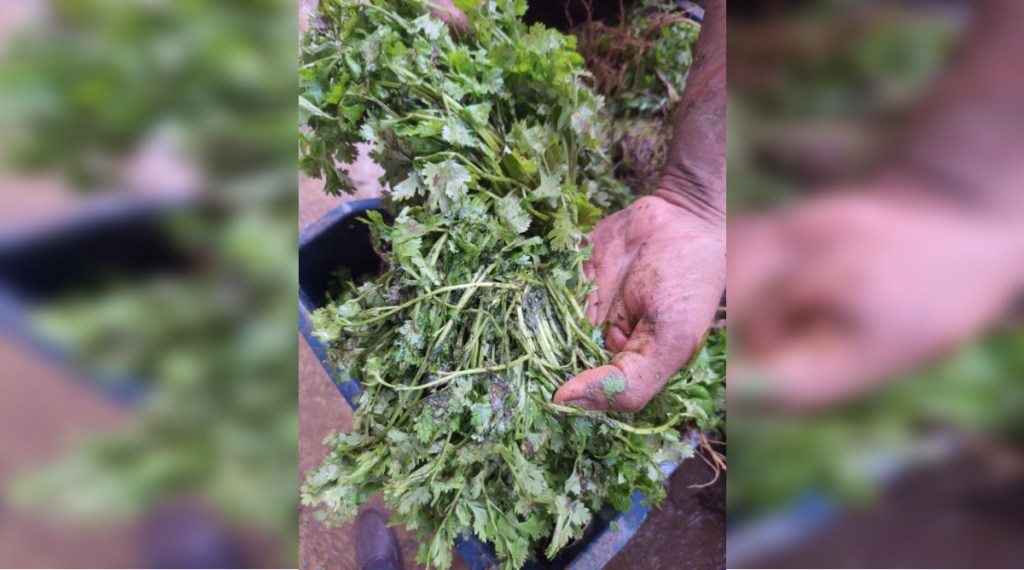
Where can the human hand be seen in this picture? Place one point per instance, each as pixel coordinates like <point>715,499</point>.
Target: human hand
<point>835,296</point>
<point>659,264</point>
<point>660,273</point>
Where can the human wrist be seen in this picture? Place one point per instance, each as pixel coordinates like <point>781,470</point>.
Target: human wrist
<point>694,173</point>
<point>919,195</point>
<point>700,202</point>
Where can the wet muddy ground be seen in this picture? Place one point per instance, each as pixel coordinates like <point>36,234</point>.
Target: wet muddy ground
<point>966,512</point>
<point>687,531</point>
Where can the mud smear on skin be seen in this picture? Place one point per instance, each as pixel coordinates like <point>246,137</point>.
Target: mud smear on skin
<point>687,531</point>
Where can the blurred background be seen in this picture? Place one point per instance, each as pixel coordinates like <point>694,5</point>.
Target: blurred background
<point>147,283</point>
<point>148,394</point>
<point>877,357</point>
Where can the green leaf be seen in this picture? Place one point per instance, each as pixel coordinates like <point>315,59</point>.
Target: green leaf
<point>582,120</point>
<point>481,522</point>
<point>612,386</point>
<point>514,216</point>
<point>535,526</point>
<point>425,428</point>
<point>308,109</point>
<point>587,214</point>
<point>563,235</point>
<point>519,167</point>
<point>529,476</point>
<point>431,27</point>
<point>477,114</point>
<point>408,188</point>
<point>440,552</point>
<point>446,182</point>
<point>481,416</point>
<point>571,518</point>
<point>518,552</point>
<point>572,484</point>
<point>455,132</point>
<point>415,498</point>
<point>550,187</point>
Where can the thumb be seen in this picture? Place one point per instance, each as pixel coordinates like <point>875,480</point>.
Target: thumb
<point>634,376</point>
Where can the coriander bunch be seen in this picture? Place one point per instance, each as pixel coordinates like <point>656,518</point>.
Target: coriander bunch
<point>494,149</point>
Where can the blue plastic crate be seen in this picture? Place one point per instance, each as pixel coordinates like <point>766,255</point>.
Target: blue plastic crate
<point>118,236</point>
<point>115,236</point>
<point>339,239</point>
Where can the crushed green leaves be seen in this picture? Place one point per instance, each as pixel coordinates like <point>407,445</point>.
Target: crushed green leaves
<point>613,386</point>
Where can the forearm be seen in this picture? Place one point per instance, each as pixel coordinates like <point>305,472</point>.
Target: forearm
<point>966,138</point>
<point>694,175</point>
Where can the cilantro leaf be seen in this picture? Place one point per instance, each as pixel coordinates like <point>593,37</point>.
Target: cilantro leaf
<point>550,188</point>
<point>408,188</point>
<point>514,216</point>
<point>446,182</point>
<point>564,234</point>
<point>455,132</point>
